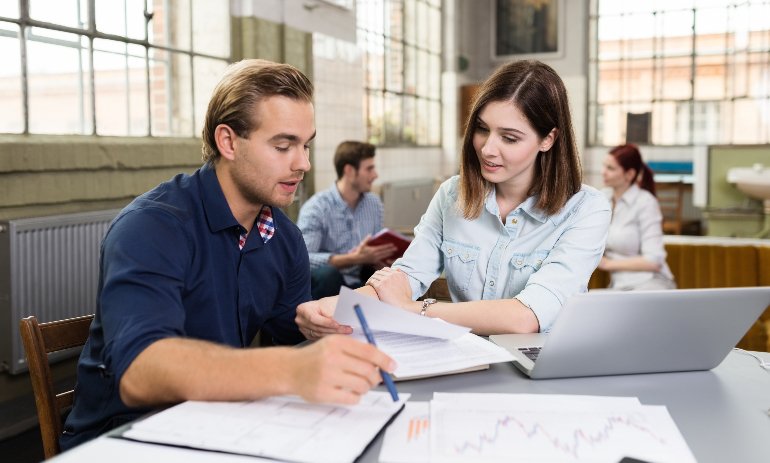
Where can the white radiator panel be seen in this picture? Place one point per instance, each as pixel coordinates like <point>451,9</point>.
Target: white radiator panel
<point>50,268</point>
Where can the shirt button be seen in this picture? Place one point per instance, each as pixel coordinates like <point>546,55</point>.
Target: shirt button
<point>491,283</point>
<point>539,262</point>
<point>449,251</point>
<point>514,221</point>
<point>467,255</point>
<point>502,246</point>
<point>519,262</point>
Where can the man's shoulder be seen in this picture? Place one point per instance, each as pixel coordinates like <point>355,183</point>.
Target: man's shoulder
<point>170,201</point>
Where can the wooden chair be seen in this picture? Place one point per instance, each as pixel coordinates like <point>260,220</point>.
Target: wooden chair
<point>439,290</point>
<point>39,340</point>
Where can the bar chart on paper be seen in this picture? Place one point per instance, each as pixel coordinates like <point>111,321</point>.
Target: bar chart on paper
<point>534,434</point>
<point>407,439</point>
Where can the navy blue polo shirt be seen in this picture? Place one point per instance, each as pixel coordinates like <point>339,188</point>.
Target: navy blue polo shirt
<point>170,267</point>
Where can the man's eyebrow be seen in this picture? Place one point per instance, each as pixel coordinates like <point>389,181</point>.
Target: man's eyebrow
<point>288,137</point>
<point>504,129</point>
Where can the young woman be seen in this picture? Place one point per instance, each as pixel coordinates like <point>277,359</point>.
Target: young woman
<point>635,255</point>
<point>515,232</point>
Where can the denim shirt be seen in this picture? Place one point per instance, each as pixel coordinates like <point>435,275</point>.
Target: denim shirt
<point>535,258</point>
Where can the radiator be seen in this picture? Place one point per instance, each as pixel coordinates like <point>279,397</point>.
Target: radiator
<point>49,268</point>
<point>406,201</point>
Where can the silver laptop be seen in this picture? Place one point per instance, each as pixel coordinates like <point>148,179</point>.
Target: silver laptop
<point>629,332</point>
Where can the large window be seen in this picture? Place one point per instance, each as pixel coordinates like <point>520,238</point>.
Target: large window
<point>401,44</point>
<point>680,72</point>
<point>110,67</point>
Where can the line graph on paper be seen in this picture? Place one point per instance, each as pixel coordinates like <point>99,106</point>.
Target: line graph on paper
<point>526,435</point>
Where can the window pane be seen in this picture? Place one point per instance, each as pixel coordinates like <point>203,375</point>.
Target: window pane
<point>394,69</point>
<point>375,108</point>
<point>120,17</point>
<point>170,27</point>
<point>171,94</point>
<point>374,61</point>
<point>70,13</point>
<point>434,123</point>
<point>423,24</point>
<point>410,70</point>
<point>121,90</point>
<point>434,41</point>
<point>710,77</point>
<point>410,21</point>
<point>434,77</point>
<point>9,8</point>
<point>423,118</point>
<point>423,73</point>
<point>11,117</point>
<point>410,119</point>
<point>207,74</point>
<point>211,28</point>
<point>676,78</point>
<point>57,83</point>
<point>395,19</point>
<point>393,118</point>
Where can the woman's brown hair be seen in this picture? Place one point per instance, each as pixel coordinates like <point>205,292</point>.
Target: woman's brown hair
<point>538,92</point>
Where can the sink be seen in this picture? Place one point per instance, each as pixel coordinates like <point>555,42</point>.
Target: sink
<point>752,181</point>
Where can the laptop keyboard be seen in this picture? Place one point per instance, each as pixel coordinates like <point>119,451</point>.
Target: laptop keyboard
<point>530,352</point>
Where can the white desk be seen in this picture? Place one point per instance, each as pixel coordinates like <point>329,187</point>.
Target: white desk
<point>721,413</point>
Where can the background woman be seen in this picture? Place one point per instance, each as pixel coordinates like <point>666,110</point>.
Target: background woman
<point>516,232</point>
<point>634,255</point>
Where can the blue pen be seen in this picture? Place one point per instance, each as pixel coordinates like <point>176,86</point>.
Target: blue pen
<point>385,376</point>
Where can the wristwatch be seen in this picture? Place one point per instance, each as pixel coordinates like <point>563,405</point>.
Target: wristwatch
<point>425,304</point>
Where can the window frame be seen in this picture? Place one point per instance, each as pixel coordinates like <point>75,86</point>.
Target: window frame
<point>25,23</point>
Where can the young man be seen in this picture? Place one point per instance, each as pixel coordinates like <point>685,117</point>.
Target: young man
<point>337,224</point>
<point>192,269</point>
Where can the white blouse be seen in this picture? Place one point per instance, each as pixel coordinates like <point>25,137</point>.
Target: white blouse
<point>636,230</point>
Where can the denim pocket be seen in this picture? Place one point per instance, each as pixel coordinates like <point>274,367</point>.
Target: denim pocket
<point>459,263</point>
<point>523,266</point>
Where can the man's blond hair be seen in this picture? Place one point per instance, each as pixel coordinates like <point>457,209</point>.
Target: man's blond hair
<point>242,87</point>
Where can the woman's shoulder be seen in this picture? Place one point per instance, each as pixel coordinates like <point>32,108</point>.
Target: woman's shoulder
<point>587,200</point>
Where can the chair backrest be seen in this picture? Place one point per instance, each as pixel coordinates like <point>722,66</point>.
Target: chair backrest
<point>670,198</point>
<point>40,340</point>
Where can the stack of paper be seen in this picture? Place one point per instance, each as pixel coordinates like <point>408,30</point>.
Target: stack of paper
<point>284,427</point>
<point>421,346</point>
<point>532,428</point>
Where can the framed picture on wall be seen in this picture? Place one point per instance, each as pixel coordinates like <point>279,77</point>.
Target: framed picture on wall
<point>531,29</point>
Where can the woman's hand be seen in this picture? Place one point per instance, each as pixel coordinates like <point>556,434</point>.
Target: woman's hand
<point>315,320</point>
<point>392,286</point>
<point>605,264</point>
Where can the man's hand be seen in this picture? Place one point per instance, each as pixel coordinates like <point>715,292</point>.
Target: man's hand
<point>372,255</point>
<point>337,369</point>
<point>392,286</point>
<point>315,319</point>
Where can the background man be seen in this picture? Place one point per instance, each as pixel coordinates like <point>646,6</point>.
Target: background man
<point>192,269</point>
<point>337,224</point>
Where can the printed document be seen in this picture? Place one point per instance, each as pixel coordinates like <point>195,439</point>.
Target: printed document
<point>534,428</point>
<point>420,345</point>
<point>283,427</point>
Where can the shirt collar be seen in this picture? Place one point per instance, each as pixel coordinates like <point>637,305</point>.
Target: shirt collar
<point>218,213</point>
<point>338,197</point>
<point>528,206</point>
<point>630,195</point>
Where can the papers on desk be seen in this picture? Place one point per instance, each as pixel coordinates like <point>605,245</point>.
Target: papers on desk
<point>534,428</point>
<point>421,346</point>
<point>284,427</point>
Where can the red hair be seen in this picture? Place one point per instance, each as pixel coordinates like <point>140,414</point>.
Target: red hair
<point>629,157</point>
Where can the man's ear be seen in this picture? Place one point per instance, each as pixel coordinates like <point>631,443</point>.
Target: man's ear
<point>226,140</point>
<point>349,171</point>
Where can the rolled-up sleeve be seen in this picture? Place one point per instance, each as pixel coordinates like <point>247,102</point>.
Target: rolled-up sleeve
<point>144,259</point>
<point>650,222</point>
<point>313,226</point>
<point>570,263</point>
